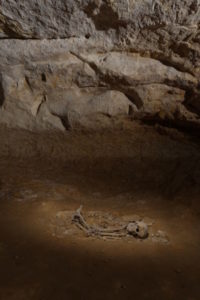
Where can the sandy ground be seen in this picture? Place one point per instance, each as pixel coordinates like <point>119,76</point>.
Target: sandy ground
<point>140,172</point>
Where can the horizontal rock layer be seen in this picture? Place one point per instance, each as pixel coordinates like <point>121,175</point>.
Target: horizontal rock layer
<point>65,64</point>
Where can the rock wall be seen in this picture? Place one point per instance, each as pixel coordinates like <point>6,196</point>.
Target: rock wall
<point>71,63</point>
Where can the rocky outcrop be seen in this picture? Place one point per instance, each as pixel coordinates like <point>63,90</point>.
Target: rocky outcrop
<point>65,64</point>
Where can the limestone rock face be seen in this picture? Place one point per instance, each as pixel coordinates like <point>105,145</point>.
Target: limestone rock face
<point>69,63</point>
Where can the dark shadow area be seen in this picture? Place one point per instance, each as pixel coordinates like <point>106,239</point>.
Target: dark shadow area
<point>2,97</point>
<point>134,98</point>
<point>192,100</point>
<point>158,163</point>
<point>186,126</point>
<point>106,18</point>
<point>155,177</point>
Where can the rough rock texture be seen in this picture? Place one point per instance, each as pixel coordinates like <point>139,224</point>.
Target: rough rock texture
<point>89,62</point>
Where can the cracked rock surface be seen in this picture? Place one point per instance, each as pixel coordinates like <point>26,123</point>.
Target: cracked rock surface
<point>86,63</point>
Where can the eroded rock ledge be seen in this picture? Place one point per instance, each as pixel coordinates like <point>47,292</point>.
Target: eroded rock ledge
<point>66,64</point>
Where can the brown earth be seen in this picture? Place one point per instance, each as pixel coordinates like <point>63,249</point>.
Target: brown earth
<point>134,171</point>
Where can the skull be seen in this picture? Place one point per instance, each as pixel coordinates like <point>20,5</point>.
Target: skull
<point>138,229</point>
